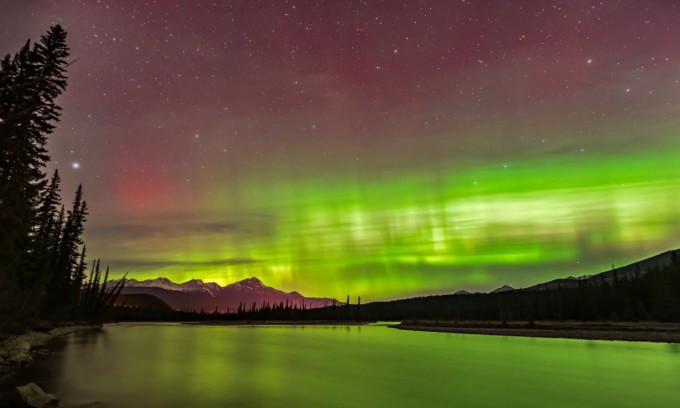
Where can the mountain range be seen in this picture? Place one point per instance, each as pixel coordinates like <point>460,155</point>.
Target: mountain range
<point>196,295</point>
<point>628,271</point>
<point>571,282</point>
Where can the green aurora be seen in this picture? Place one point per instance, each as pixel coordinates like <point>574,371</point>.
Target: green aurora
<point>376,149</point>
<point>417,231</point>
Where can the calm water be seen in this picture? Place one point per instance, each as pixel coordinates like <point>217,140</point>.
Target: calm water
<point>225,366</point>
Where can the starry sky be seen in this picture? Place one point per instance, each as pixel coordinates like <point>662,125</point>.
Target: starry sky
<point>376,148</point>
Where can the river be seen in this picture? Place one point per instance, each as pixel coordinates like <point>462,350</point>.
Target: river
<point>173,365</point>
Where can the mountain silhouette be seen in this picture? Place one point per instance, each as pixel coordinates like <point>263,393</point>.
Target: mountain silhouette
<point>196,295</point>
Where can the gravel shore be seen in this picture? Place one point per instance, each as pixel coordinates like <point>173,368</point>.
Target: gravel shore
<point>17,351</point>
<point>628,331</point>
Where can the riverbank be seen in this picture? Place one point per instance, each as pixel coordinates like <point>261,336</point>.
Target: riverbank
<point>281,323</point>
<point>19,351</point>
<point>626,331</point>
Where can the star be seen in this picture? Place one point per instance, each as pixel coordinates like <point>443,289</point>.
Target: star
<point>321,116</point>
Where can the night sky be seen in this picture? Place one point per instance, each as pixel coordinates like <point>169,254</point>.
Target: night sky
<point>381,149</point>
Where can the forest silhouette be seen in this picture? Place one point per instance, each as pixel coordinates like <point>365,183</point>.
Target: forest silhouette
<point>43,268</point>
<point>43,265</point>
<point>650,294</point>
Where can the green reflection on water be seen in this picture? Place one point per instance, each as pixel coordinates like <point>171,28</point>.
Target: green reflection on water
<point>338,366</point>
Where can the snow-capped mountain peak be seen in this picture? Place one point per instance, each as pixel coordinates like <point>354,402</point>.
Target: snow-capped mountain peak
<point>160,282</point>
<point>196,294</point>
<point>198,285</point>
<point>251,283</point>
<point>193,285</point>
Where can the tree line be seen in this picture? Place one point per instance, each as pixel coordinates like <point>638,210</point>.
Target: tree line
<point>43,268</point>
<point>652,294</point>
<point>281,311</point>
<point>43,265</point>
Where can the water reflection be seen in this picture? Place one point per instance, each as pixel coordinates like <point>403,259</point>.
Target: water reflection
<point>278,366</point>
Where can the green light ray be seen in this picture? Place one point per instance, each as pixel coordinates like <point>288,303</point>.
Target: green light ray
<point>384,236</point>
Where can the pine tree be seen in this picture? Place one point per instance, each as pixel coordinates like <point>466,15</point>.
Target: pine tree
<point>30,82</point>
<point>67,270</point>
<point>47,219</point>
<point>47,210</point>
<point>79,275</point>
<point>54,240</point>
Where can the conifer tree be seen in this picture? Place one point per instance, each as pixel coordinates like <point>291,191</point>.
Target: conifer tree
<point>39,246</point>
<point>54,238</point>
<point>47,210</point>
<point>67,271</point>
<point>29,84</point>
<point>47,219</point>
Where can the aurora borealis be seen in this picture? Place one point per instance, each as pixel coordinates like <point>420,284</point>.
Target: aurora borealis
<point>380,149</point>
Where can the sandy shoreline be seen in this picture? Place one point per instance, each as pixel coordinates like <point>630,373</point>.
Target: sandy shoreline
<point>635,331</point>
